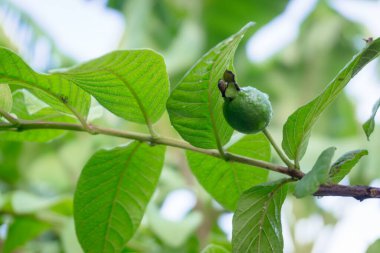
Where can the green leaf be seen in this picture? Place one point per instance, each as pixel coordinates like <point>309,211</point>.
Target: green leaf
<point>54,89</point>
<point>318,175</point>
<point>37,135</point>
<point>369,125</point>
<point>112,193</point>
<point>5,98</point>
<point>212,248</point>
<point>344,164</point>
<point>297,129</point>
<point>131,84</point>
<point>374,247</point>
<point>257,220</point>
<point>226,181</point>
<point>195,104</point>
<point>21,231</point>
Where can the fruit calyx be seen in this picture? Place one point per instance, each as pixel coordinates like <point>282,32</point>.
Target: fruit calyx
<point>228,86</point>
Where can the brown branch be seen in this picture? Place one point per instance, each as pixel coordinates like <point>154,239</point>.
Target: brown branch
<point>357,192</point>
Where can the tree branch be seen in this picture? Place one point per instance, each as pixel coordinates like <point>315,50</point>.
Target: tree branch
<point>357,192</point>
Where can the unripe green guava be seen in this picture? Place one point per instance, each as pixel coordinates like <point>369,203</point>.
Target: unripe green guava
<point>246,109</point>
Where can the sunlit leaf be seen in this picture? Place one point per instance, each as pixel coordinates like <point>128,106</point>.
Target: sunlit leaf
<point>318,175</point>
<point>53,89</point>
<point>195,105</point>
<point>22,230</point>
<point>112,193</point>
<point>212,248</point>
<point>297,129</point>
<point>344,164</point>
<point>5,98</point>
<point>257,220</point>
<point>369,125</point>
<point>132,84</point>
<point>226,180</point>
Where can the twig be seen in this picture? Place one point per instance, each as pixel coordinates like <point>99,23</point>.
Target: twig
<point>277,148</point>
<point>357,192</point>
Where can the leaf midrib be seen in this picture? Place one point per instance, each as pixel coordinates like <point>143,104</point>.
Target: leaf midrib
<point>134,150</point>
<point>34,86</point>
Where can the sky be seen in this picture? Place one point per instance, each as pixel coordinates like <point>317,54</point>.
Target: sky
<point>85,30</point>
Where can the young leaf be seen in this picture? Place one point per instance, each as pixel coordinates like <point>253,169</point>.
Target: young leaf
<point>344,164</point>
<point>369,125</point>
<point>226,181</point>
<point>195,105</point>
<point>318,175</point>
<point>112,193</point>
<point>54,90</point>
<point>257,220</point>
<point>5,98</point>
<point>297,129</point>
<point>21,231</point>
<point>374,247</point>
<point>212,248</point>
<point>47,113</point>
<point>131,84</point>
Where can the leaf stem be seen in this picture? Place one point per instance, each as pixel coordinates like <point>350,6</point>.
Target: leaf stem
<point>278,149</point>
<point>9,117</point>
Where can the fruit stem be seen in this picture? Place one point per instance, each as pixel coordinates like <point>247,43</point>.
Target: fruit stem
<point>278,149</point>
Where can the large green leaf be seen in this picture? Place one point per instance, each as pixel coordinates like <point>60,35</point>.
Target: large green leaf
<point>212,248</point>
<point>318,175</point>
<point>22,230</point>
<point>369,125</point>
<point>5,98</point>
<point>195,105</point>
<point>44,114</point>
<point>297,129</point>
<point>132,84</point>
<point>344,164</point>
<point>257,220</point>
<point>53,89</point>
<point>112,193</point>
<point>225,180</point>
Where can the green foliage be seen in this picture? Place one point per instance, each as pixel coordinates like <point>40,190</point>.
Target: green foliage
<point>53,89</point>
<point>5,98</point>
<point>257,220</point>
<point>318,175</point>
<point>374,247</point>
<point>195,105</point>
<point>22,230</point>
<point>225,180</point>
<point>344,164</point>
<point>369,125</point>
<point>212,248</point>
<point>297,129</point>
<point>112,193</point>
<point>131,84</point>
<point>117,184</point>
<point>45,113</point>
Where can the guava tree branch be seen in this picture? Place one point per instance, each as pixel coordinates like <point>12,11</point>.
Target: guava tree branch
<point>358,192</point>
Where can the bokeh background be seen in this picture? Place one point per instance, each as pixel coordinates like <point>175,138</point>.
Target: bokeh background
<point>293,52</point>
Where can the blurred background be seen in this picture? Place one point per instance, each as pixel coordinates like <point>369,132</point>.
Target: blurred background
<point>292,53</point>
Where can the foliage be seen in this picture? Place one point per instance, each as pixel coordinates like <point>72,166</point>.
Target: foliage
<point>120,185</point>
